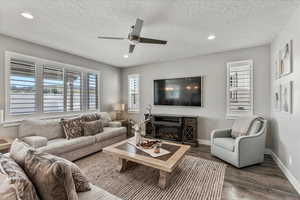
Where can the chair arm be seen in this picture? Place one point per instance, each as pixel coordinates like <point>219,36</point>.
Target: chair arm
<point>253,143</point>
<point>220,133</point>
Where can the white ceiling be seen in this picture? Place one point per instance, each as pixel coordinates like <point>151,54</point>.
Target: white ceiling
<point>73,26</point>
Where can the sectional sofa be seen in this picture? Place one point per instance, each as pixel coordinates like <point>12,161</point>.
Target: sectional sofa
<point>48,136</point>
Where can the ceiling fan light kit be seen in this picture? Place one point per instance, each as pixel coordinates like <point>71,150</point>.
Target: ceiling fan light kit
<point>134,37</point>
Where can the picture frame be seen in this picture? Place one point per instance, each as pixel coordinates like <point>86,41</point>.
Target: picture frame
<point>286,59</point>
<point>286,96</point>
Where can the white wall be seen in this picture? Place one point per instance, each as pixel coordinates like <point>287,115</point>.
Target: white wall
<point>213,67</point>
<point>285,127</point>
<point>110,76</point>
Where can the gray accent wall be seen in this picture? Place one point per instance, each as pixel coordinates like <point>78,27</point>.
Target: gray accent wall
<point>213,67</point>
<point>110,76</point>
<point>285,127</point>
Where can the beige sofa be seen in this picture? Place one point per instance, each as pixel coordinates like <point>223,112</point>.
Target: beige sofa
<point>48,136</point>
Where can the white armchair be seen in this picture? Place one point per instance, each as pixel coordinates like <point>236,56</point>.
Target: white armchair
<point>243,150</point>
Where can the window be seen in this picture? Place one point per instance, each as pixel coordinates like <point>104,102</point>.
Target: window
<point>53,84</point>
<point>133,93</point>
<point>92,90</point>
<point>22,85</point>
<point>41,87</point>
<point>73,85</point>
<point>239,88</point>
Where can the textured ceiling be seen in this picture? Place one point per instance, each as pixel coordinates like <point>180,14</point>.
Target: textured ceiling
<point>73,26</point>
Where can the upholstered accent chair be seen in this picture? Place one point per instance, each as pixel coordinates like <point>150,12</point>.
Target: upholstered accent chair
<point>244,150</point>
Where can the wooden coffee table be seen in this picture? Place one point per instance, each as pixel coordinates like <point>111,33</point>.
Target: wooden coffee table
<point>128,153</point>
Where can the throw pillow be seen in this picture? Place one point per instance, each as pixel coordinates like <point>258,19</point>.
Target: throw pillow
<point>241,126</point>
<point>7,191</point>
<point>93,127</point>
<point>14,175</point>
<point>52,179</point>
<point>90,117</point>
<point>72,127</point>
<point>36,141</point>
<point>18,151</point>
<point>80,180</point>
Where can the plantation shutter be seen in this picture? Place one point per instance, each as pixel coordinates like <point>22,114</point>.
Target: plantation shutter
<point>92,89</point>
<point>73,86</point>
<point>53,89</point>
<point>22,86</point>
<point>239,94</point>
<point>133,93</point>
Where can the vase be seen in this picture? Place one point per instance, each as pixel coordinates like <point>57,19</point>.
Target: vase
<point>138,137</point>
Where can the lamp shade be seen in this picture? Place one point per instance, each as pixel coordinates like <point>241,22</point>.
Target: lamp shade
<point>119,107</point>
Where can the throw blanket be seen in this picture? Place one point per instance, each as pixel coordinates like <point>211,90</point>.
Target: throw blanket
<point>242,125</point>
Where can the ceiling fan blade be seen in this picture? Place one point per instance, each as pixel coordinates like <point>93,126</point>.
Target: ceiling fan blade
<point>131,48</point>
<point>152,41</point>
<point>136,31</point>
<point>111,38</point>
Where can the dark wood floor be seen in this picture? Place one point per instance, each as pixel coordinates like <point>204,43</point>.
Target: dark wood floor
<point>259,182</point>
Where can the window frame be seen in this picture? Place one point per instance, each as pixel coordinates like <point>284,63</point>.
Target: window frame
<point>130,110</point>
<point>39,64</point>
<point>229,113</point>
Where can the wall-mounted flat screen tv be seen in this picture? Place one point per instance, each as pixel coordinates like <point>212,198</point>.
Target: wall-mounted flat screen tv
<point>178,91</point>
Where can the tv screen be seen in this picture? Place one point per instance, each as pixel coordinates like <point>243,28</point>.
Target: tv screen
<point>178,91</point>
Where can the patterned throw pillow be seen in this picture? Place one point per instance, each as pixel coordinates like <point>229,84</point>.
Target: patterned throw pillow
<point>72,127</point>
<point>17,178</point>
<point>52,178</point>
<point>93,127</point>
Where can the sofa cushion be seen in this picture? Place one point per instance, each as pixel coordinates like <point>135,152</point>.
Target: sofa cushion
<point>62,145</point>
<point>105,117</point>
<point>110,132</point>
<point>18,151</point>
<point>36,141</point>
<point>72,127</point>
<point>97,193</point>
<point>80,180</point>
<point>93,127</point>
<point>14,175</point>
<point>114,124</point>
<point>226,143</point>
<point>52,179</point>
<point>90,117</point>
<point>50,129</point>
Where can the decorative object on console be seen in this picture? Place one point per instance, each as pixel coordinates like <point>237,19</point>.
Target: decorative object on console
<point>286,95</point>
<point>286,59</point>
<point>119,109</point>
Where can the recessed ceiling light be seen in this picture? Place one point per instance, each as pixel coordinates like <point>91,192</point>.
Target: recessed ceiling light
<point>211,37</point>
<point>27,15</point>
<point>125,55</point>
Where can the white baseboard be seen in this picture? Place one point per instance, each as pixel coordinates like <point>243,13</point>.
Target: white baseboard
<point>286,172</point>
<point>205,142</point>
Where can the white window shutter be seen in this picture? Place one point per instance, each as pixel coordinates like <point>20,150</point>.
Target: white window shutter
<point>22,87</point>
<point>73,87</point>
<point>53,89</point>
<point>92,89</point>
<point>239,88</point>
<point>133,93</point>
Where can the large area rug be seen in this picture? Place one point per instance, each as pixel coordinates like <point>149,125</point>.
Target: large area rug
<point>194,178</point>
